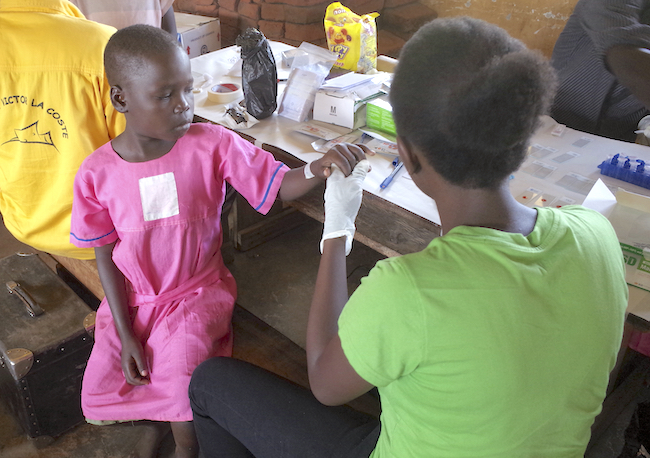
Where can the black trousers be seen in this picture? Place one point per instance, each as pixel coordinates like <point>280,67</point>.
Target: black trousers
<point>241,410</point>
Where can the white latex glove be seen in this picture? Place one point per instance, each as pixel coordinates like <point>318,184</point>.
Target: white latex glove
<point>342,201</point>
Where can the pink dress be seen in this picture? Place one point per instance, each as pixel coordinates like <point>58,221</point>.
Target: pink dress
<point>165,215</point>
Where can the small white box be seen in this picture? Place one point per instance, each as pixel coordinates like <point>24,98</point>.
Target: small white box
<point>198,34</point>
<point>340,109</point>
<point>629,214</point>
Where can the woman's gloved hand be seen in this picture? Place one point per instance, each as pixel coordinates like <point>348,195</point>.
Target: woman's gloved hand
<point>342,201</point>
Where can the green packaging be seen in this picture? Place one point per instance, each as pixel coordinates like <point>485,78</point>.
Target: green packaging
<point>379,115</point>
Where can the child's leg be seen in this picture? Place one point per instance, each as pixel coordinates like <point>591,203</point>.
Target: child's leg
<point>151,435</point>
<point>186,444</point>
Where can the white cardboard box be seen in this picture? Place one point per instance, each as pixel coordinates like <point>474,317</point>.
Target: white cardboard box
<point>629,214</point>
<point>198,34</point>
<point>339,109</point>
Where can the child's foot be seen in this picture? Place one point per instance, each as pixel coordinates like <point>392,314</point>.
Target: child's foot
<point>153,432</point>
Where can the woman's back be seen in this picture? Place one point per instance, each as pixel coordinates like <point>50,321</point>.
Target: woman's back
<point>482,344</point>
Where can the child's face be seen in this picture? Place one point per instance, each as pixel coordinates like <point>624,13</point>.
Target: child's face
<point>159,101</point>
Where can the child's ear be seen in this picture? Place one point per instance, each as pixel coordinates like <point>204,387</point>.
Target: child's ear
<point>117,99</point>
<point>408,157</point>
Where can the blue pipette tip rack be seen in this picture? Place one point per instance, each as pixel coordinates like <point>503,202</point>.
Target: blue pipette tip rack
<point>627,169</point>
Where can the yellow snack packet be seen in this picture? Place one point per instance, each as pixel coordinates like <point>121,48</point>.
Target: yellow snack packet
<point>352,37</point>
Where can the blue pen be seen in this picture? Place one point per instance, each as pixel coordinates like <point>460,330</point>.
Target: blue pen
<point>384,184</point>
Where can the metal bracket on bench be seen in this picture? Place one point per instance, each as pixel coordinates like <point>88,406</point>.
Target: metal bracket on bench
<point>89,323</point>
<point>19,361</point>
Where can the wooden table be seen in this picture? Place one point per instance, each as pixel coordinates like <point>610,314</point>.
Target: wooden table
<point>382,225</point>
<point>385,223</point>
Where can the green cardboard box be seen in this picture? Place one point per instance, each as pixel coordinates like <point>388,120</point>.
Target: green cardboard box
<point>379,115</point>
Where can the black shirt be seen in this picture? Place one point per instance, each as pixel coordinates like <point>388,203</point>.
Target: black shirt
<point>589,97</point>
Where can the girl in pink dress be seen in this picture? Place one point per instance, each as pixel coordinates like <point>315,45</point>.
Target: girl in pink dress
<point>150,202</point>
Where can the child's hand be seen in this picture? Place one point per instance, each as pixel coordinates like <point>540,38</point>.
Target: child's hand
<point>133,362</point>
<point>344,155</point>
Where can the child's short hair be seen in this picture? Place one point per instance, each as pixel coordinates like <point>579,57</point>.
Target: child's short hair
<point>130,48</point>
<point>469,97</point>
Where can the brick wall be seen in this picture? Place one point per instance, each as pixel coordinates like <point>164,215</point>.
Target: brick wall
<point>537,23</point>
<point>295,21</point>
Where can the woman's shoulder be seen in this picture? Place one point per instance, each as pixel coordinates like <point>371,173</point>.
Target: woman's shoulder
<point>399,269</point>
<point>576,214</point>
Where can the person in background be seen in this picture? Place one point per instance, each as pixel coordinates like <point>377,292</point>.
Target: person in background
<point>123,13</point>
<point>55,110</point>
<point>150,203</point>
<point>496,340</point>
<point>602,58</point>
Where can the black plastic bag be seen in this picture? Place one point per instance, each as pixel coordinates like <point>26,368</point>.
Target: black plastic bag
<point>259,74</point>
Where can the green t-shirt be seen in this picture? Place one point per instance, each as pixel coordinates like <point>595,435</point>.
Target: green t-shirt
<point>492,344</point>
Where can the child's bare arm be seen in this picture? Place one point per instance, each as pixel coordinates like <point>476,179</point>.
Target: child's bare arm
<point>114,284</point>
<point>344,155</point>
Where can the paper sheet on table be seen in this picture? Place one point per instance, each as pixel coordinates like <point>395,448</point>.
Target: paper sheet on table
<point>629,214</point>
<point>347,81</point>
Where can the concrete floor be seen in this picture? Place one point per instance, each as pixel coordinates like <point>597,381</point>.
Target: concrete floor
<point>275,282</point>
